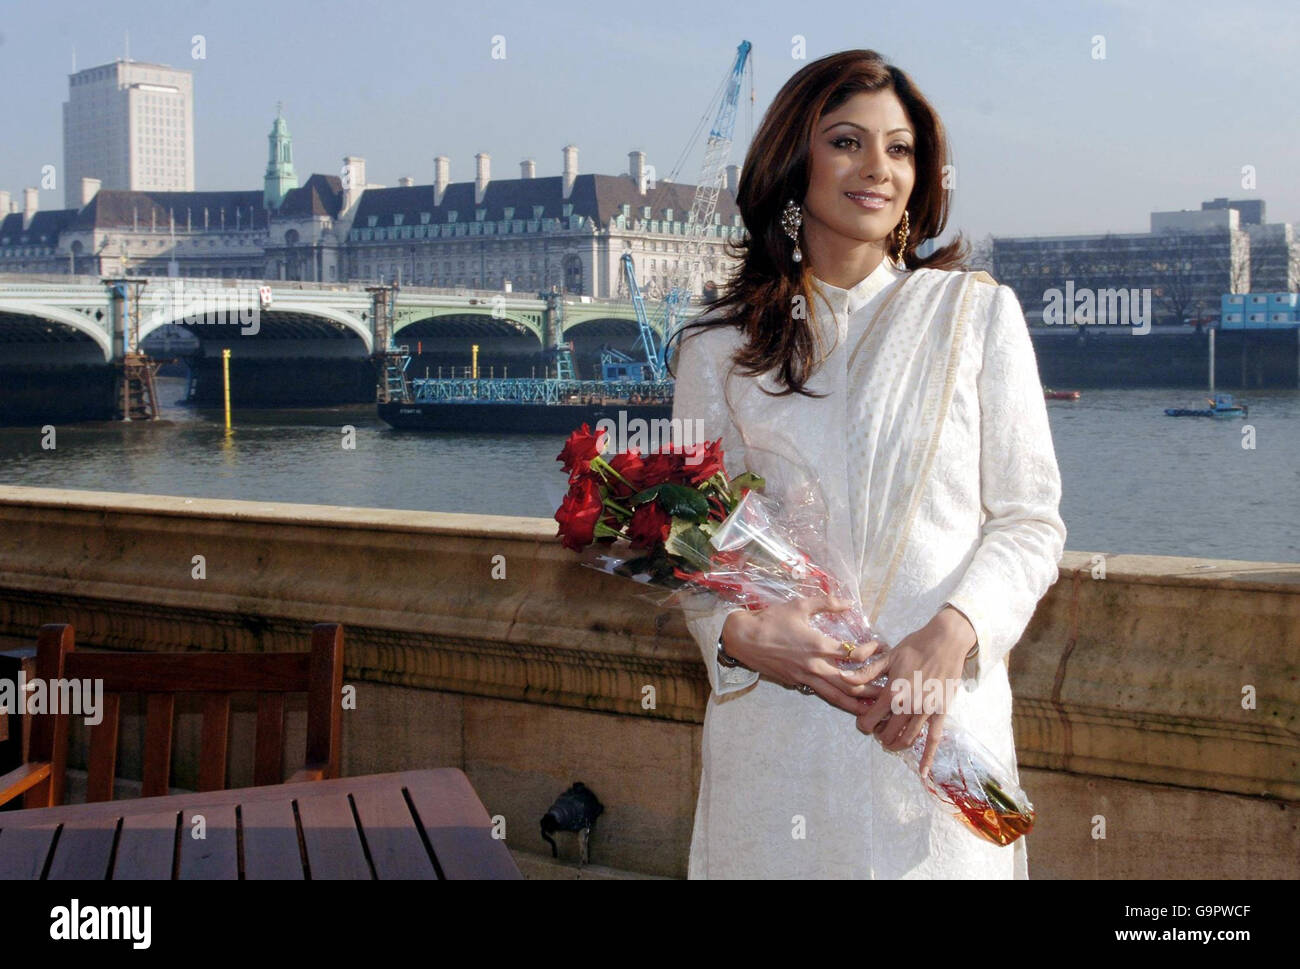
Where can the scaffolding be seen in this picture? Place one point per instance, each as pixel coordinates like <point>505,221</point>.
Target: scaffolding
<point>137,391</point>
<point>540,390</point>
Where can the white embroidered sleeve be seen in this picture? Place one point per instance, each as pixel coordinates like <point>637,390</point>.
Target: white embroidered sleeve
<point>700,414</point>
<point>1020,491</point>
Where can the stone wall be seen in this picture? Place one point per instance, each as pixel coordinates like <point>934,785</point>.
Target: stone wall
<point>1129,681</point>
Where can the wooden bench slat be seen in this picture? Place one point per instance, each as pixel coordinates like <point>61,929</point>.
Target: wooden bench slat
<point>391,833</point>
<point>330,834</point>
<point>215,856</point>
<point>84,850</point>
<point>458,826</point>
<point>270,834</point>
<point>324,699</point>
<point>124,672</point>
<point>159,711</point>
<point>269,743</point>
<point>103,752</point>
<point>23,779</point>
<point>23,851</point>
<point>215,743</point>
<point>146,846</point>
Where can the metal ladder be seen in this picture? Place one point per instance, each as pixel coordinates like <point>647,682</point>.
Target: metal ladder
<point>396,386</point>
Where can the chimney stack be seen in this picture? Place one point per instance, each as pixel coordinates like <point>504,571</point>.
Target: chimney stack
<point>89,186</point>
<point>4,205</point>
<point>354,183</point>
<point>406,181</point>
<point>570,168</point>
<point>441,177</point>
<point>636,168</point>
<point>527,168</point>
<point>31,203</point>
<point>733,178</point>
<point>482,175</point>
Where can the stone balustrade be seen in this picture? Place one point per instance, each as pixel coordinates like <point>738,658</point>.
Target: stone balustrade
<point>1156,698</point>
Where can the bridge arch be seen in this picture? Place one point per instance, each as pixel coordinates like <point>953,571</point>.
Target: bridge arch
<point>233,306</point>
<point>54,314</point>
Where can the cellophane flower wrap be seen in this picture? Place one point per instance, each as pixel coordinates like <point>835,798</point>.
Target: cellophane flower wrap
<point>672,519</point>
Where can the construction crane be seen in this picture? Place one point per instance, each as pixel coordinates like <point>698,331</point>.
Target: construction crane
<point>704,204</point>
<point>617,365</point>
<point>707,187</point>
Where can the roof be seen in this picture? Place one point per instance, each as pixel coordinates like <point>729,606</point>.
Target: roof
<point>120,209</point>
<point>598,197</point>
<point>45,227</point>
<point>319,195</point>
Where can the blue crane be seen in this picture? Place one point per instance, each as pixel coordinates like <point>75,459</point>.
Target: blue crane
<point>704,204</point>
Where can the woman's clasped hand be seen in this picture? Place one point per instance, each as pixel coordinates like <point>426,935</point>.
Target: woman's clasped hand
<point>779,643</point>
<point>922,673</point>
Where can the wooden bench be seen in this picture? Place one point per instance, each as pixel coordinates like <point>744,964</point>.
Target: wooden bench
<point>160,677</point>
<point>13,738</point>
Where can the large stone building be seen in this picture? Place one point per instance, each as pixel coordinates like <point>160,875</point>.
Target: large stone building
<point>565,233</point>
<point>568,231</point>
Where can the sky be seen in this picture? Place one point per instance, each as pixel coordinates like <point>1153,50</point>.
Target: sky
<point>1047,136</point>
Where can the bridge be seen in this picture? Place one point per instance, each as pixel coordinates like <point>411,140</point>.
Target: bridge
<point>70,309</point>
<point>290,342</point>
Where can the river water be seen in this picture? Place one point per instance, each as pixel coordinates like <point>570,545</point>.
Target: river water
<point>1135,481</point>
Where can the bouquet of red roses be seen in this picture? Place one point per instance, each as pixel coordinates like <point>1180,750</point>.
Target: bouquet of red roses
<point>673,518</point>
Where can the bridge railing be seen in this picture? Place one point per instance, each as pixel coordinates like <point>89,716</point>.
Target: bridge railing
<point>283,285</point>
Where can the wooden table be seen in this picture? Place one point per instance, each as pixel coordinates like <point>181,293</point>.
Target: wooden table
<point>414,824</point>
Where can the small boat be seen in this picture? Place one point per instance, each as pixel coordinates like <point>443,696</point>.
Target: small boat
<point>1051,394</point>
<point>1221,405</point>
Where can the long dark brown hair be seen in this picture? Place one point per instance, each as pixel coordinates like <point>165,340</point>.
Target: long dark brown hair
<point>758,296</point>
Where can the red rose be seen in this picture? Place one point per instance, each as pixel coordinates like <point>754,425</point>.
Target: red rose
<point>578,514</point>
<point>649,525</point>
<point>579,449</point>
<point>702,461</point>
<point>631,466</point>
<point>660,467</point>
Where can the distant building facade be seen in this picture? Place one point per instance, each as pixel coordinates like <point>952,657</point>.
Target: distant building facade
<point>1188,260</point>
<point>565,233</point>
<point>130,125</point>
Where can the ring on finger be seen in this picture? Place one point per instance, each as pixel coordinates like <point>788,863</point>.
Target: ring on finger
<point>848,648</point>
<point>805,689</point>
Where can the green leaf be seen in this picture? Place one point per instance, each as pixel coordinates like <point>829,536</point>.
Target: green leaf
<point>687,542</point>
<point>747,479</point>
<point>678,500</point>
<point>647,494</point>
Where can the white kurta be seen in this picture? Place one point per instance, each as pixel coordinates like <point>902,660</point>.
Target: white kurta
<point>790,788</point>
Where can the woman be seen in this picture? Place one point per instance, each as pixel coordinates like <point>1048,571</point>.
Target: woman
<point>899,398</point>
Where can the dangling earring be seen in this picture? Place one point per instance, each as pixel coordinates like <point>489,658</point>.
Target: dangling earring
<point>903,228</point>
<point>791,220</point>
